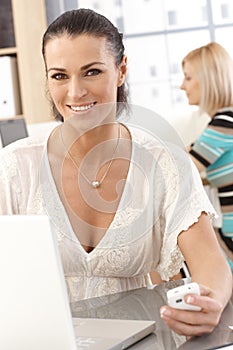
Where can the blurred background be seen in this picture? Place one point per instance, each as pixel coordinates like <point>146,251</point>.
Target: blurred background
<point>157,35</point>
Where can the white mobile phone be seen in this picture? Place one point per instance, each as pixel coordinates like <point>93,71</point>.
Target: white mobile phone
<point>175,296</point>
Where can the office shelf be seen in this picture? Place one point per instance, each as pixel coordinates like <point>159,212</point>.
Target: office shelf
<point>28,18</point>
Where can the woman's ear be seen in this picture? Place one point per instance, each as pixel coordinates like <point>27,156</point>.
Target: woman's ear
<point>122,71</point>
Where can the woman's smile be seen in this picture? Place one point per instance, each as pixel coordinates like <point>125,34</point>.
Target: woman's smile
<point>81,108</point>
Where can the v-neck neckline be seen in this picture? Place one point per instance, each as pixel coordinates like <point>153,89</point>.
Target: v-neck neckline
<point>68,227</point>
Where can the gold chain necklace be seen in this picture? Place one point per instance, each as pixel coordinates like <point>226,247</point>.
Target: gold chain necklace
<point>95,183</point>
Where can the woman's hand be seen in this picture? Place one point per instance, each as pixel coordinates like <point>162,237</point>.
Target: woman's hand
<point>194,323</point>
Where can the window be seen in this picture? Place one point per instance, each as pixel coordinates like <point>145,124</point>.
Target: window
<point>157,36</point>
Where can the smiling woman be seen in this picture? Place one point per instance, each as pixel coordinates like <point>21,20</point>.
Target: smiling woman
<point>115,193</point>
<point>92,53</point>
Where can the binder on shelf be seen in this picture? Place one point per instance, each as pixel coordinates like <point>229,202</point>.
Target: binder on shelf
<point>10,105</point>
<point>7,37</point>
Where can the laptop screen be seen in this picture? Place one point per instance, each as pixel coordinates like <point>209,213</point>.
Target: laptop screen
<point>34,308</point>
<point>12,130</point>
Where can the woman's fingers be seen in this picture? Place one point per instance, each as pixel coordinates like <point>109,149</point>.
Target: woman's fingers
<point>190,322</point>
<point>206,303</point>
<point>188,329</point>
<point>187,322</point>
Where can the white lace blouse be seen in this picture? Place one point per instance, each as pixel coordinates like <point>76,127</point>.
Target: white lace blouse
<point>163,196</point>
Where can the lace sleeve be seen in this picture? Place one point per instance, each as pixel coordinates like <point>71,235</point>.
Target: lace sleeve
<point>185,200</point>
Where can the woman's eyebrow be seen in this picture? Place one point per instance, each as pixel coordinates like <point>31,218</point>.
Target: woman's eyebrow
<point>86,66</point>
<point>91,64</point>
<point>57,69</point>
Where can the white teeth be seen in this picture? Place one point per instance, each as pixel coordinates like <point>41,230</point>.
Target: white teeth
<point>81,108</point>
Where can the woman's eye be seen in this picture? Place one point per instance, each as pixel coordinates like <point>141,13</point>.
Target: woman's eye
<point>92,72</point>
<point>58,76</point>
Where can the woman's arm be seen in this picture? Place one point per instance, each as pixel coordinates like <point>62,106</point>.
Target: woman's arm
<point>210,269</point>
<point>203,255</point>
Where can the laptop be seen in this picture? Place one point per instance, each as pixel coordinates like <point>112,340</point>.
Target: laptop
<point>12,130</point>
<point>34,305</point>
<point>224,347</point>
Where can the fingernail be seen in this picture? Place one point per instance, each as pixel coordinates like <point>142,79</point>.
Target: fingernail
<point>165,312</point>
<point>190,299</point>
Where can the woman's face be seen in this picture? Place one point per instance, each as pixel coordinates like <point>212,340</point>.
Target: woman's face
<point>191,84</point>
<point>81,73</point>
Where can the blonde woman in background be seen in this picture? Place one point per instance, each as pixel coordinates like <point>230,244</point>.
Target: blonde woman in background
<point>208,83</point>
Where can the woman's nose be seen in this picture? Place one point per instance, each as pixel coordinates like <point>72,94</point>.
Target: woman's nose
<point>182,86</point>
<point>76,88</point>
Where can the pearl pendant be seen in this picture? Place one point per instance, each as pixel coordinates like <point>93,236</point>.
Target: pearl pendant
<point>95,184</point>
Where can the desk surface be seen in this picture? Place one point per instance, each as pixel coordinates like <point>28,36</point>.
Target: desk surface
<point>144,304</point>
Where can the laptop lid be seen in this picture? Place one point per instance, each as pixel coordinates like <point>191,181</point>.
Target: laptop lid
<point>34,309</point>
<point>223,347</point>
<point>114,334</point>
<point>34,306</point>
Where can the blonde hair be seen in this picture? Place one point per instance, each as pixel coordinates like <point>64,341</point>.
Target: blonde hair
<point>214,68</point>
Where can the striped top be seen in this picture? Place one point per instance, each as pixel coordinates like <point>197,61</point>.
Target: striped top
<point>214,149</point>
